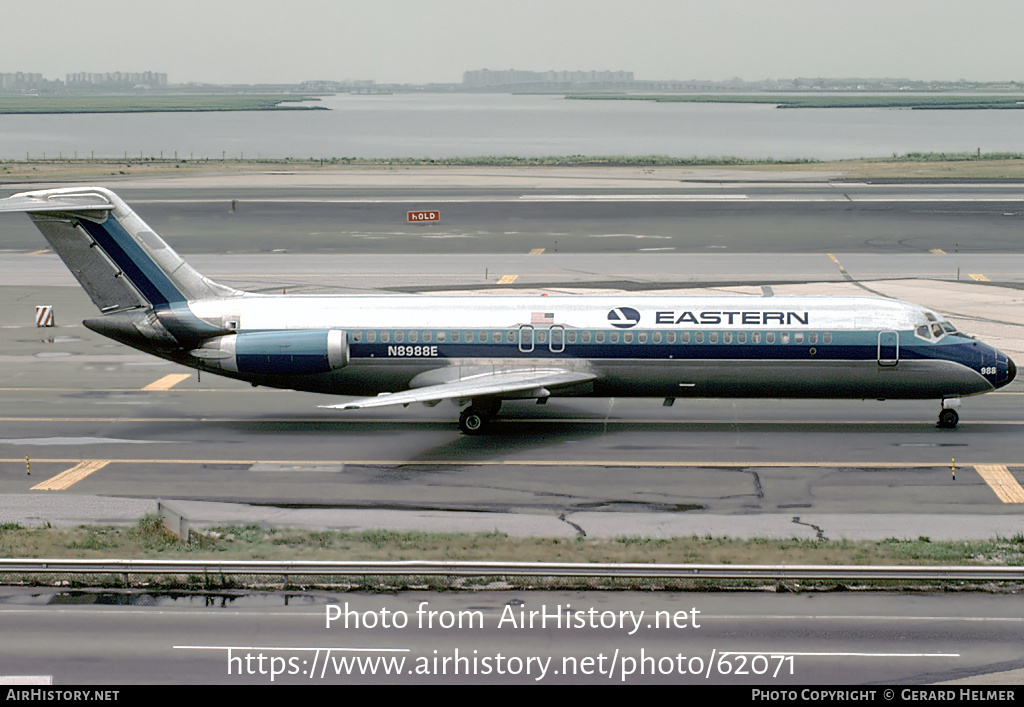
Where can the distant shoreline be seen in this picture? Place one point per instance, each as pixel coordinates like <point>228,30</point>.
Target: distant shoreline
<point>790,101</point>
<point>56,105</point>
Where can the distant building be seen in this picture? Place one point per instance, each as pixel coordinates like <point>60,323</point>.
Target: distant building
<point>21,80</point>
<point>547,80</point>
<point>117,79</point>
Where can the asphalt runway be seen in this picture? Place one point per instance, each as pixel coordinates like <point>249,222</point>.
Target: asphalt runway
<point>685,218</point>
<point>600,467</point>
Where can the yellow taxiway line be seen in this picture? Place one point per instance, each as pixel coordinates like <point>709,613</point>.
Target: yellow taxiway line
<point>999,478</point>
<point>167,382</point>
<point>507,279</point>
<point>72,476</point>
<point>632,463</point>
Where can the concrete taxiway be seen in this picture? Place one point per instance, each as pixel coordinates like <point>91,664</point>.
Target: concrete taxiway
<point>108,430</point>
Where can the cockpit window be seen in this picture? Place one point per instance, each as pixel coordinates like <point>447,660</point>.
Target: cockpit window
<point>922,331</point>
<point>946,326</point>
<point>936,331</point>
<point>929,316</point>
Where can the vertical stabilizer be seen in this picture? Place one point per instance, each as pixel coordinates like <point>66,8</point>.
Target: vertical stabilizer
<point>119,261</point>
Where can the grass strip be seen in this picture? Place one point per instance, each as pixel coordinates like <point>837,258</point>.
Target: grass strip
<point>930,165</point>
<point>148,539</point>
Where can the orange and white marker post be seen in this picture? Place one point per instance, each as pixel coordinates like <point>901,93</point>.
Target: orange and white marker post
<point>44,315</point>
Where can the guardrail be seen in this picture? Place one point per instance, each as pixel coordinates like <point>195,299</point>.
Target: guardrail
<point>508,569</point>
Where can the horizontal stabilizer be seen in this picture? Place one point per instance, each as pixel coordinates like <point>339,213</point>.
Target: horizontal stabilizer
<point>42,202</point>
<point>497,383</point>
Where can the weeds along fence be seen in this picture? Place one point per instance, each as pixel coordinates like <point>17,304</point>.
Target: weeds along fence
<point>451,575</point>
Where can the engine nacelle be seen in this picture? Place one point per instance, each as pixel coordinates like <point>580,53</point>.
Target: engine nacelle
<point>286,352</point>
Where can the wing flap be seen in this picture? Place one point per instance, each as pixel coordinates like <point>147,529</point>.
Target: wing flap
<point>478,385</point>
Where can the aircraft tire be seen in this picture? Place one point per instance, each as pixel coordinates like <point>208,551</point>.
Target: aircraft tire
<point>948,418</point>
<point>474,421</point>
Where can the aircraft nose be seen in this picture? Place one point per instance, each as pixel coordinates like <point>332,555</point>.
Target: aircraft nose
<point>1011,371</point>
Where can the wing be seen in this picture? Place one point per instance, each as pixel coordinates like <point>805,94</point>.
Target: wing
<point>527,383</point>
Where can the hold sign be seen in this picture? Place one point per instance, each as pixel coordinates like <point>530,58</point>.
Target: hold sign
<point>424,216</point>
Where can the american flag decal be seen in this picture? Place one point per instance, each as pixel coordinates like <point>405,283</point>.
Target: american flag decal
<point>542,318</point>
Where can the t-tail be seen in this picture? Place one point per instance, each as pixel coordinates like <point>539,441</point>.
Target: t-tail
<point>137,281</point>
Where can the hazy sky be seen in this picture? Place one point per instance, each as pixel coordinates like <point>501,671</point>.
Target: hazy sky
<point>422,41</point>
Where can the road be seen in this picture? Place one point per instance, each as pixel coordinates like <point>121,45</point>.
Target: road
<point>877,641</point>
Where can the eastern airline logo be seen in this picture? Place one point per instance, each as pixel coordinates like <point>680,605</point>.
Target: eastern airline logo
<point>624,317</point>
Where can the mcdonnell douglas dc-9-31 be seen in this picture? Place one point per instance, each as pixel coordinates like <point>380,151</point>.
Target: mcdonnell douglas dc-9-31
<point>479,350</point>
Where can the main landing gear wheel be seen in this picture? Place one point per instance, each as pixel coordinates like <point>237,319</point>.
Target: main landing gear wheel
<point>474,420</point>
<point>948,418</point>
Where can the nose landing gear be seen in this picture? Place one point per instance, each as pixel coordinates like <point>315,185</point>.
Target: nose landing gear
<point>948,417</point>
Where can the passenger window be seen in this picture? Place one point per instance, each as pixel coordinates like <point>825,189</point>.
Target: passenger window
<point>542,336</point>
<point>627,338</point>
<point>827,337</point>
<point>613,337</point>
<point>755,337</point>
<point>698,337</point>
<point>784,338</point>
<point>510,337</point>
<point>440,336</point>
<point>713,337</point>
<point>670,338</point>
<point>727,337</point>
<point>496,337</point>
<point>426,336</point>
<point>357,336</point>
<point>413,337</point>
<point>741,337</point>
<point>385,336</point>
<point>399,336</point>
<point>455,337</point>
<point>641,338</point>
<point>468,337</point>
<point>571,337</point>
<point>798,338</point>
<point>586,337</point>
<point>371,336</point>
<point>770,337</point>
<point>812,338</point>
<point>656,337</point>
<point>599,337</point>
<point>483,337</point>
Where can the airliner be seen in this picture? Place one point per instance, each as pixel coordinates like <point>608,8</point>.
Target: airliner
<point>480,350</point>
